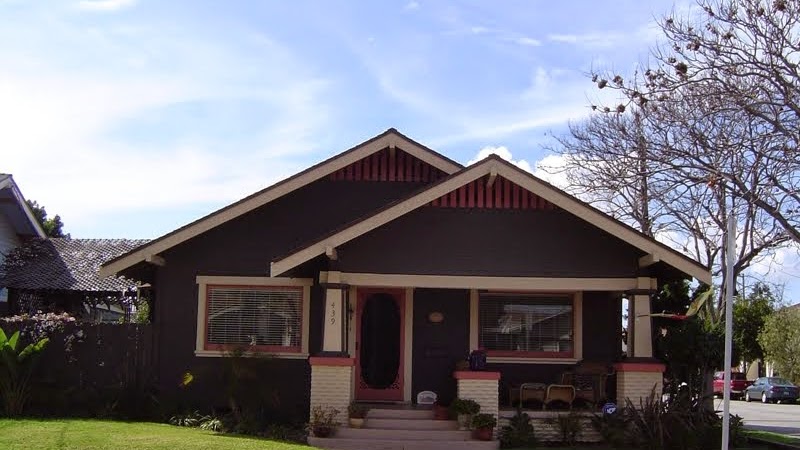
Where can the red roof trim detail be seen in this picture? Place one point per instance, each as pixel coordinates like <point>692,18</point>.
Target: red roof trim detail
<point>475,375</point>
<point>640,367</point>
<point>331,361</point>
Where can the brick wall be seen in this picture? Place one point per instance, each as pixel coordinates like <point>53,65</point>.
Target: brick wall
<point>331,386</point>
<point>485,392</point>
<point>637,386</point>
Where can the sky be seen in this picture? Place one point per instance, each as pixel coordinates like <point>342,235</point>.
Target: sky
<point>130,118</point>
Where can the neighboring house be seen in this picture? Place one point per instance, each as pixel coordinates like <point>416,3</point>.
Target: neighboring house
<point>370,275</point>
<point>60,275</point>
<point>17,223</point>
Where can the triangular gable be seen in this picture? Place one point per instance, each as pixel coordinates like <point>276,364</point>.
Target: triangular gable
<point>454,191</point>
<point>22,218</point>
<point>391,141</point>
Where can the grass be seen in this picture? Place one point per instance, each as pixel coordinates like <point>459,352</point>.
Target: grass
<point>772,437</point>
<point>76,434</point>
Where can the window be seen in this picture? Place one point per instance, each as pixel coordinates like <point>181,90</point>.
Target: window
<point>267,318</point>
<point>514,324</point>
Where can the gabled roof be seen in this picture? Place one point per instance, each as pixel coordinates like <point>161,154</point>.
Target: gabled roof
<point>390,138</point>
<point>66,264</point>
<point>13,205</point>
<point>488,166</point>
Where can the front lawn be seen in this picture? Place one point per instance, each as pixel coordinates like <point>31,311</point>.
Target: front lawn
<point>77,434</point>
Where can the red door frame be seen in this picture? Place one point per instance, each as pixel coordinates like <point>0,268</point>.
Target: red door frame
<point>362,392</point>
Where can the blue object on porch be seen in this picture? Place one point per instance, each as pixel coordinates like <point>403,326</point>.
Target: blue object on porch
<point>609,408</point>
<point>477,360</point>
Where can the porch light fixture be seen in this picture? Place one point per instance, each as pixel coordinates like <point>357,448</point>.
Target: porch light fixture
<point>435,317</point>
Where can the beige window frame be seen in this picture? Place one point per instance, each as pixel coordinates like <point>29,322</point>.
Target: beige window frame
<point>203,284</point>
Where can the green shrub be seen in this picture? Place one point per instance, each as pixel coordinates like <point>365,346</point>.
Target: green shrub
<point>654,424</point>
<point>480,421</point>
<point>519,432</point>
<point>465,406</point>
<point>612,427</point>
<point>569,425</point>
<point>16,367</point>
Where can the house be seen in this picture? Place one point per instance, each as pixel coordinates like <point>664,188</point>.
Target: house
<point>17,223</point>
<point>61,275</point>
<point>370,275</point>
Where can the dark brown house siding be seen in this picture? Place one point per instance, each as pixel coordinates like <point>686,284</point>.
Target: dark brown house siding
<point>438,346</point>
<point>244,247</point>
<point>483,242</point>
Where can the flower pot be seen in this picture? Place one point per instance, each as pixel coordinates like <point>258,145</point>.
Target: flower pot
<point>356,422</point>
<point>440,412</point>
<point>482,434</point>
<point>322,431</point>
<point>463,421</point>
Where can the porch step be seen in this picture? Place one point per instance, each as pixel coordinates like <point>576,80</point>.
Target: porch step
<point>394,444</point>
<point>411,424</point>
<point>402,427</point>
<point>398,413</point>
<point>396,434</point>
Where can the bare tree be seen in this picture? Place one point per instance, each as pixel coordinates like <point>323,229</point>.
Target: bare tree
<point>738,60</point>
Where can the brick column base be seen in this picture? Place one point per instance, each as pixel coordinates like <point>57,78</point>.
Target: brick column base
<point>636,381</point>
<point>483,387</point>
<point>332,384</point>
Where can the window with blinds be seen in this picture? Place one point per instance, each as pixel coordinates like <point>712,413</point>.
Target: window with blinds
<point>513,324</point>
<point>265,318</point>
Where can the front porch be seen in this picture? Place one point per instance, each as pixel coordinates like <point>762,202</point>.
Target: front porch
<point>422,346</point>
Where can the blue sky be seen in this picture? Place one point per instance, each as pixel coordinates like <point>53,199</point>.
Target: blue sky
<point>131,118</point>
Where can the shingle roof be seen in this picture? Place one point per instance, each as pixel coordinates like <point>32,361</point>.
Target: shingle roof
<point>67,264</point>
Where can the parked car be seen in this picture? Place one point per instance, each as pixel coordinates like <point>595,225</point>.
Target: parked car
<point>738,384</point>
<point>772,389</point>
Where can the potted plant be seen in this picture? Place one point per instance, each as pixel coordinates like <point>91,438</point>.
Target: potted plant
<point>440,411</point>
<point>323,421</point>
<point>463,409</point>
<point>483,426</point>
<point>357,413</point>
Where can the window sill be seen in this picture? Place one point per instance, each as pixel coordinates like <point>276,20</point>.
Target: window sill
<point>220,354</point>
<point>523,360</point>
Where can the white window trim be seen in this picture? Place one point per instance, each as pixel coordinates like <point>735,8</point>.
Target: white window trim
<point>577,332</point>
<point>203,281</point>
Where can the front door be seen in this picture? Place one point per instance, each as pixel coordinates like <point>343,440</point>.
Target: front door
<point>380,342</point>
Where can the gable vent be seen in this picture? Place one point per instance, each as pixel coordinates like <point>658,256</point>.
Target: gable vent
<point>501,194</point>
<point>389,165</point>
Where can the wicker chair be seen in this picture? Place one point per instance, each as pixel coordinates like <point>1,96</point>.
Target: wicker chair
<point>589,380</point>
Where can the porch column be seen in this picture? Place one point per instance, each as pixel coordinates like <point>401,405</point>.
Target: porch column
<point>331,384</point>
<point>637,380</point>
<point>334,334</point>
<point>483,387</point>
<point>639,315</point>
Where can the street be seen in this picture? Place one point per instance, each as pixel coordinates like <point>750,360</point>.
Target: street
<point>784,419</point>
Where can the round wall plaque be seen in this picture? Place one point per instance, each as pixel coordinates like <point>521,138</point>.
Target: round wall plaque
<point>435,317</point>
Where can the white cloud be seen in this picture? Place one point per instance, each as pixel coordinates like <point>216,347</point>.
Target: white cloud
<point>105,5</point>
<point>411,6</point>
<point>551,168</point>
<point>63,124</point>
<point>593,40</point>
<point>502,152</point>
<point>527,41</point>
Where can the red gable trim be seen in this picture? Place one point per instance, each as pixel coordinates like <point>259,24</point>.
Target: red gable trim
<point>507,195</point>
<point>389,165</point>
